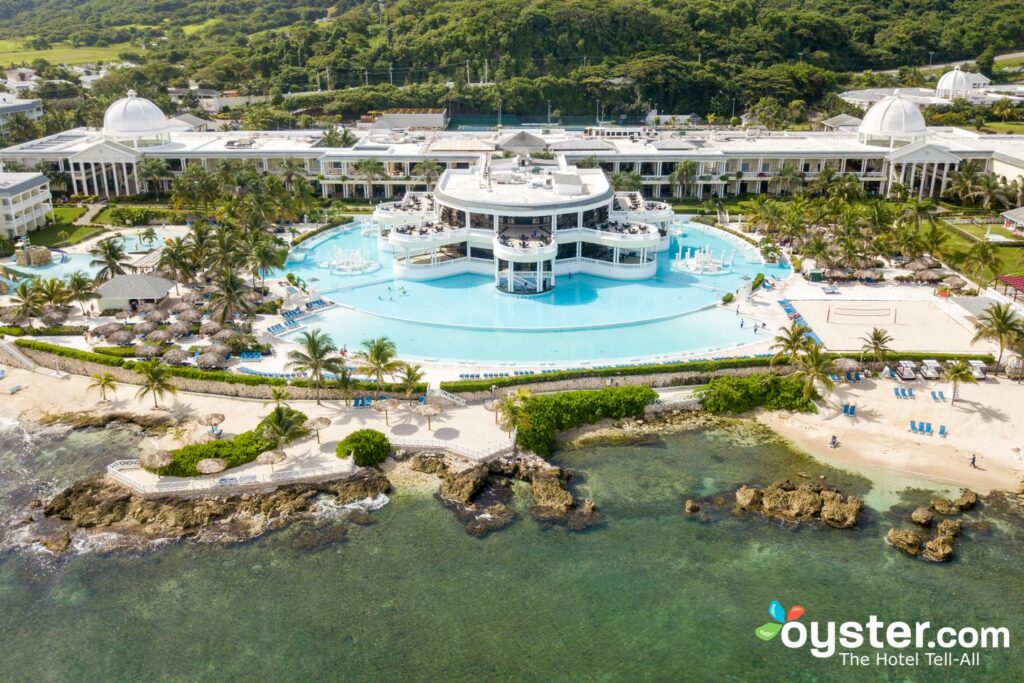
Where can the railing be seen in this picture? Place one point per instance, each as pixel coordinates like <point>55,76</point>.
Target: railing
<point>446,233</point>
<point>477,454</point>
<point>438,264</point>
<point>437,391</point>
<point>20,358</point>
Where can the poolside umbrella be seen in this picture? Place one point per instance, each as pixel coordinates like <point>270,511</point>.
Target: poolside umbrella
<point>121,338</point>
<point>192,297</point>
<point>954,282</point>
<point>271,458</point>
<point>179,329</point>
<point>157,316</point>
<point>11,315</point>
<point>181,307</point>
<point>156,459</point>
<point>225,335</point>
<point>835,274</point>
<point>221,350</point>
<point>252,297</point>
<point>54,317</point>
<point>176,356</point>
<point>383,406</point>
<point>159,336</point>
<point>148,351</point>
<point>919,264</point>
<point>493,406</point>
<point>211,420</point>
<point>428,410</point>
<point>144,328</point>
<point>190,316</point>
<point>107,329</point>
<point>210,360</point>
<point>318,423</point>
<point>866,274</point>
<point>846,365</point>
<point>929,275</point>
<point>146,308</point>
<point>123,315</point>
<point>210,328</point>
<point>211,466</point>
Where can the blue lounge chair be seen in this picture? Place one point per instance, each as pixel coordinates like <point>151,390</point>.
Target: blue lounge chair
<point>896,392</point>
<point>903,393</point>
<point>357,402</point>
<point>928,428</point>
<point>15,389</point>
<point>422,399</point>
<point>846,409</point>
<point>942,431</point>
<point>942,396</point>
<point>849,376</point>
<point>856,377</point>
<point>910,393</point>
<point>913,427</point>
<point>935,397</point>
<point>853,411</point>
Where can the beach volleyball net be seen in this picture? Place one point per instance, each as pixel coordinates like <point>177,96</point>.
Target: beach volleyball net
<point>861,315</point>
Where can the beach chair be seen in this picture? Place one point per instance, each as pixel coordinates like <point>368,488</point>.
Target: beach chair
<point>856,377</point>
<point>928,428</point>
<point>896,392</point>
<point>913,427</point>
<point>903,393</point>
<point>942,396</point>
<point>15,389</point>
<point>910,393</point>
<point>942,431</point>
<point>935,397</point>
<point>846,409</point>
<point>849,376</point>
<point>357,402</point>
<point>853,411</point>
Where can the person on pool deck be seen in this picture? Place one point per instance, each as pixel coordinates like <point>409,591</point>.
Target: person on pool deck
<point>974,461</point>
<point>833,442</point>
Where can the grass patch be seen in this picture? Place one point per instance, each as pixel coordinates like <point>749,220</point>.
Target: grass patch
<point>1008,127</point>
<point>955,252</point>
<point>64,216</point>
<point>15,52</point>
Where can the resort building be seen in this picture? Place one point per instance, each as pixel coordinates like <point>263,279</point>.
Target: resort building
<point>11,105</point>
<point>955,84</point>
<point>128,292</point>
<point>24,202</point>
<point>891,146</point>
<point>526,221</point>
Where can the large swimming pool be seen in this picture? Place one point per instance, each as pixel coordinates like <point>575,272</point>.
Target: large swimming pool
<point>583,319</point>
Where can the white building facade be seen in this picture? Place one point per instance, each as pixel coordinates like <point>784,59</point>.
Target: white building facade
<point>24,203</point>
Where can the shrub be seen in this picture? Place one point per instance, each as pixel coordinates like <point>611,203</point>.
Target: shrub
<point>727,298</point>
<point>547,415</point>
<point>244,448</point>
<point>757,282</point>
<point>115,351</point>
<point>56,331</point>
<point>741,394</point>
<point>367,446</point>
<point>67,352</point>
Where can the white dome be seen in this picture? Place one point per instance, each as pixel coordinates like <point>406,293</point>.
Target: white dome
<point>955,83</point>
<point>893,118</point>
<point>134,117</point>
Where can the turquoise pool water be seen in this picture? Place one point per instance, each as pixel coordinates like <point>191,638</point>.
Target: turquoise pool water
<point>60,267</point>
<point>584,318</point>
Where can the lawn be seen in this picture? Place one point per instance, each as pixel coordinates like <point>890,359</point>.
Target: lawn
<point>995,228</point>
<point>1008,127</point>
<point>15,52</point>
<point>957,247</point>
<point>64,216</point>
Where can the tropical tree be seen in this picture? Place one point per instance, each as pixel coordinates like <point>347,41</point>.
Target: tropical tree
<point>512,415</point>
<point>957,373</point>
<point>789,343</point>
<point>156,380</point>
<point>683,176</point>
<point>110,257</point>
<point>428,169</point>
<point>990,190</point>
<point>176,261</point>
<point>409,378</point>
<point>278,396</point>
<point>229,298</point>
<point>876,344</point>
<point>789,178</point>
<point>814,368</point>
<point>292,168</point>
<point>369,170</point>
<point>283,425</point>
<point>625,181</point>
<point>1003,108</point>
<point>1000,324</point>
<point>80,288</point>
<point>54,291</point>
<point>982,261</point>
<point>316,358</point>
<point>933,240</point>
<point>338,138</point>
<point>154,170</point>
<point>378,358</point>
<point>103,382</point>
<point>27,303</point>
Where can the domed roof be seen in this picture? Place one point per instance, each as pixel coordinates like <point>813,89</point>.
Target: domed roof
<point>893,117</point>
<point>955,82</point>
<point>133,116</point>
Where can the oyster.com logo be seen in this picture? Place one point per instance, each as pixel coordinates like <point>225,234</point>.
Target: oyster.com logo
<point>776,611</point>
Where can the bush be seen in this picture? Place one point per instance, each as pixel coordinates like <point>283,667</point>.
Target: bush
<point>313,233</point>
<point>116,351</point>
<point>56,331</point>
<point>757,282</point>
<point>66,352</point>
<point>727,298</point>
<point>367,446</point>
<point>740,394</point>
<point>547,415</point>
<point>244,448</point>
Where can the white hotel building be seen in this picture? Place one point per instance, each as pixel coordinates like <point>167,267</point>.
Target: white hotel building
<point>24,203</point>
<point>891,145</point>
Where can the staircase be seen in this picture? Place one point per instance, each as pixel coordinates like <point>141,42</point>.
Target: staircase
<point>446,396</point>
<point>16,357</point>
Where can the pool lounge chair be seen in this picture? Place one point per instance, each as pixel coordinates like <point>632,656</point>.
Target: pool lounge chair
<point>853,411</point>
<point>942,431</point>
<point>913,427</point>
<point>849,376</point>
<point>935,396</point>
<point>928,428</point>
<point>903,393</point>
<point>856,377</point>
<point>896,392</point>
<point>910,393</point>
<point>942,396</point>
<point>15,389</point>
<point>846,409</point>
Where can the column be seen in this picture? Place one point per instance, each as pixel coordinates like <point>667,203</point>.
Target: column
<point>135,177</point>
<point>495,228</point>
<point>497,271</point>
<point>74,178</point>
<point>935,177</point>
<point>552,271</point>
<point>106,190</point>
<point>945,172</point>
<point>117,182</point>
<point>511,273</point>
<point>540,277</point>
<point>579,219</point>
<point>924,177</point>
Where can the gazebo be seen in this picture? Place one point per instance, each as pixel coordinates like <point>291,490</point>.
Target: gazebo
<point>1011,286</point>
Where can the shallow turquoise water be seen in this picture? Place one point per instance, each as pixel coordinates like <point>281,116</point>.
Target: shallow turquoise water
<point>648,596</point>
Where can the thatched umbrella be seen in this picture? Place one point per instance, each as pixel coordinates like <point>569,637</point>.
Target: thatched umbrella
<point>148,351</point>
<point>159,336</point>
<point>181,307</point>
<point>930,275</point>
<point>122,338</point>
<point>225,336</point>
<point>154,460</point>
<point>428,410</point>
<point>176,356</point>
<point>846,365</point>
<point>221,350</point>
<point>384,405</point>
<point>866,274</point>
<point>211,466</point>
<point>955,282</point>
<point>54,317</point>
<point>493,406</point>
<point>916,265</point>
<point>271,458</point>
<point>157,316</point>
<point>252,297</point>
<point>192,297</point>
<point>107,329</point>
<point>210,360</point>
<point>835,274</point>
<point>210,328</point>
<point>190,316</point>
<point>146,308</point>
<point>211,420</point>
<point>145,328</point>
<point>316,424</point>
<point>11,315</point>
<point>179,329</point>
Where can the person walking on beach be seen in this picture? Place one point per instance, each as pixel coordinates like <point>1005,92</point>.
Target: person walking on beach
<point>741,323</point>
<point>974,461</point>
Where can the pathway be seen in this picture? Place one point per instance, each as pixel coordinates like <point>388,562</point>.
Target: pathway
<point>91,211</point>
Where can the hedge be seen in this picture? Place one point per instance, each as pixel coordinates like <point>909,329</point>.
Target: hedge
<point>55,331</point>
<point>757,282</point>
<point>67,352</point>
<point>740,394</point>
<point>115,351</point>
<point>313,233</point>
<point>367,446</point>
<point>545,416</point>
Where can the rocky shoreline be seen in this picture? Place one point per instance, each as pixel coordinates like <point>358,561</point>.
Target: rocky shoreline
<point>804,503</point>
<point>941,546</point>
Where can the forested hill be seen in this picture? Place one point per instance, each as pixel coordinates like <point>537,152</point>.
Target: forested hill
<point>684,55</point>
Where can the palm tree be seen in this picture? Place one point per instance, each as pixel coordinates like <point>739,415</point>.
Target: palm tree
<point>1000,324</point>
<point>291,169</point>
<point>278,396</point>
<point>1003,108</point>
<point>27,302</point>
<point>80,288</point>
<point>109,255</point>
<point>336,138</point>
<point>919,211</point>
<point>53,291</point>
<point>283,425</point>
<point>229,298</point>
<point>369,170</point>
<point>344,383</point>
<point>625,181</point>
<point>982,260</point>
<point>956,373</point>
<point>789,177</point>
<point>814,368</point>
<point>683,176</point>
<point>263,256</point>
<point>156,380</point>
<point>512,415</point>
<point>876,344</point>
<point>933,240</point>
<point>176,261</point>
<point>409,377</point>
<point>789,343</point>
<point>378,358</point>
<point>429,169</point>
<point>990,189</point>
<point>315,358</point>
<point>154,170</point>
<point>103,382</point>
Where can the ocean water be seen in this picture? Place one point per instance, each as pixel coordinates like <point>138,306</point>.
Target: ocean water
<point>650,595</point>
